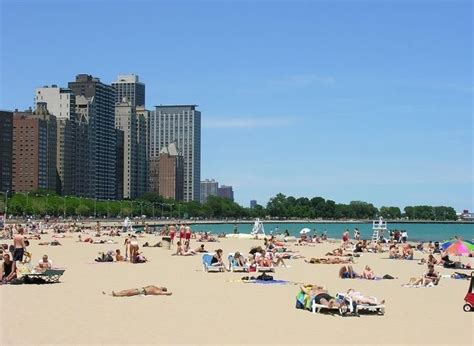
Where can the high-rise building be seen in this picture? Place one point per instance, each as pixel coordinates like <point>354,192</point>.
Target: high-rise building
<point>170,173</point>
<point>6,141</point>
<point>119,147</point>
<point>34,150</point>
<point>61,103</point>
<point>126,120</point>
<point>86,120</point>
<point>253,204</point>
<point>143,140</point>
<point>225,191</point>
<point>101,107</point>
<point>180,124</point>
<point>130,87</point>
<point>208,188</point>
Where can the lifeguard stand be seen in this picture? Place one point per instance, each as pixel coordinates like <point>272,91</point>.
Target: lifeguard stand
<point>379,227</point>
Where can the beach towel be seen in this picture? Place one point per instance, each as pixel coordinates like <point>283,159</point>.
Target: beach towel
<point>270,282</point>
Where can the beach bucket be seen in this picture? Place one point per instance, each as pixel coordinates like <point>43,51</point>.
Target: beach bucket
<point>166,242</point>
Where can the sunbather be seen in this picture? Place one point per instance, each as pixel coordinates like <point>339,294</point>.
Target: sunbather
<point>238,260</point>
<point>146,291</point>
<point>44,264</point>
<point>347,273</point>
<point>201,249</point>
<point>333,260</point>
<point>118,256</point>
<point>368,273</point>
<point>431,276</point>
<point>180,251</point>
<point>217,259</point>
<point>359,298</point>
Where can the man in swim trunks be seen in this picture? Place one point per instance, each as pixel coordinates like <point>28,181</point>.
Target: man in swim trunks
<point>19,244</point>
<point>146,291</point>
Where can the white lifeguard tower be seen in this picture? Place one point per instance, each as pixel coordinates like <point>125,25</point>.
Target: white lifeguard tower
<point>258,228</point>
<point>379,227</point>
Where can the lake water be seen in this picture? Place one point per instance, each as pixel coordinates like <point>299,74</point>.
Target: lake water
<point>416,231</point>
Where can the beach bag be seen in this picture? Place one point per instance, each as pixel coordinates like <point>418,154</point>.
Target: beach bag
<point>388,277</point>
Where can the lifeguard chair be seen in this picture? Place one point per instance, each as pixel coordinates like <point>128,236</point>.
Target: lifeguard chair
<point>379,227</point>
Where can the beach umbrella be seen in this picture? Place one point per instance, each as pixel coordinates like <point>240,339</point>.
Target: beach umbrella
<point>459,247</point>
<point>305,230</point>
<point>469,245</point>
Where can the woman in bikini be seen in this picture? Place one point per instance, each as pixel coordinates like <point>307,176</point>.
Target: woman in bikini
<point>368,273</point>
<point>146,291</point>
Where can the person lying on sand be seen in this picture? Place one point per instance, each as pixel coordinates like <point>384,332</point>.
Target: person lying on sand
<point>52,243</point>
<point>105,257</point>
<point>348,273</point>
<point>200,249</point>
<point>159,244</point>
<point>334,260</point>
<point>146,291</point>
<point>359,298</point>
<point>180,250</point>
<point>322,297</point>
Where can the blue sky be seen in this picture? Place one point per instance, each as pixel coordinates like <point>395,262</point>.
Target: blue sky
<point>348,100</point>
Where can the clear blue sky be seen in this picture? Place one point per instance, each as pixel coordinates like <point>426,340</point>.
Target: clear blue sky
<point>348,100</point>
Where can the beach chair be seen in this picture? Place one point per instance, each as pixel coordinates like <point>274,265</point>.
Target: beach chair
<point>263,269</point>
<point>378,308</point>
<point>50,275</point>
<point>234,267</point>
<point>206,264</point>
<point>318,308</point>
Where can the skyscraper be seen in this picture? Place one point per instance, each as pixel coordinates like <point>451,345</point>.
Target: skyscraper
<point>180,124</point>
<point>100,103</point>
<point>126,121</point>
<point>130,87</point>
<point>6,141</point>
<point>61,103</point>
<point>253,203</point>
<point>208,188</point>
<point>170,173</point>
<point>34,150</point>
<point>225,191</point>
<point>143,140</point>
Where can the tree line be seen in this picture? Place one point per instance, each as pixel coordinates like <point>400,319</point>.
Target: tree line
<point>42,203</point>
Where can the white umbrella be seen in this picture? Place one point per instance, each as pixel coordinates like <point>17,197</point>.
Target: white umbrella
<point>305,230</point>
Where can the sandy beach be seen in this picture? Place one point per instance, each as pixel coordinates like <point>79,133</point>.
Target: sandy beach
<point>217,308</point>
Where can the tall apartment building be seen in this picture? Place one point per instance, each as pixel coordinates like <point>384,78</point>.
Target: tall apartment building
<point>6,141</point>
<point>180,124</point>
<point>208,188</point>
<point>34,150</point>
<point>170,173</point>
<point>126,121</point>
<point>85,142</point>
<point>119,155</point>
<point>225,191</point>
<point>101,107</point>
<point>130,87</point>
<point>253,203</point>
<point>143,139</point>
<point>61,103</point>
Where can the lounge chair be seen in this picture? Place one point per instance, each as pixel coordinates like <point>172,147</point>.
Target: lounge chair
<point>234,267</point>
<point>378,308</point>
<point>343,310</point>
<point>206,264</point>
<point>49,275</point>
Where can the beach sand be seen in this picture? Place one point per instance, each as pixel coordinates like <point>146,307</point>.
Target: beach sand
<point>217,308</point>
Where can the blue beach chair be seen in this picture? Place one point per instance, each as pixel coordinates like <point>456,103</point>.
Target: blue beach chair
<point>207,266</point>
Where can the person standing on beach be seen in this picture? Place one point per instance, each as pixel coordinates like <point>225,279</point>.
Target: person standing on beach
<point>172,233</point>
<point>182,233</point>
<point>19,244</point>
<point>187,233</point>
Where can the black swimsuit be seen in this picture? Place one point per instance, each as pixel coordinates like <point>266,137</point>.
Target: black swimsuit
<point>7,268</point>
<point>320,296</point>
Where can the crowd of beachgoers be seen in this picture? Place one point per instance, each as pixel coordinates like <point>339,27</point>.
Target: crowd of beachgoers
<point>259,262</point>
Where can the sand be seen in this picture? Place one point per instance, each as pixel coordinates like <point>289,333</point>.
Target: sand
<point>216,308</point>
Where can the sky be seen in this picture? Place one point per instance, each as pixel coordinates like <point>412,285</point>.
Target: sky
<point>347,100</point>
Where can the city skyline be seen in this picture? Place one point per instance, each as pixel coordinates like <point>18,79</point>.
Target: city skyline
<point>358,111</point>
